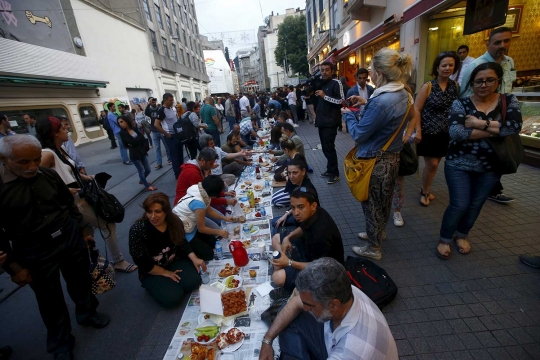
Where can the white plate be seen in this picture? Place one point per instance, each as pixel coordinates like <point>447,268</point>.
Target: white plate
<point>206,323</point>
<point>254,230</point>
<point>202,320</point>
<point>233,347</point>
<point>236,277</point>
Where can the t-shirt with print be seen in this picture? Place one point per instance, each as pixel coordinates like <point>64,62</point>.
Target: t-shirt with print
<point>167,116</point>
<point>194,205</point>
<point>207,112</point>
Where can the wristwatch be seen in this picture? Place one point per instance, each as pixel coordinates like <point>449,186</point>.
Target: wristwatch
<point>487,125</point>
<point>290,262</point>
<point>266,341</point>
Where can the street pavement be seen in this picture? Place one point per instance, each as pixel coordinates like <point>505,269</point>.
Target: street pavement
<point>485,305</point>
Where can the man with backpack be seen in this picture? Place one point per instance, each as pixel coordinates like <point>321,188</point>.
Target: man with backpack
<point>329,319</point>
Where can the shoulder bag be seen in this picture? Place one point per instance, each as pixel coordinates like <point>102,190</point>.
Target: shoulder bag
<point>408,160</point>
<point>358,171</point>
<point>509,149</point>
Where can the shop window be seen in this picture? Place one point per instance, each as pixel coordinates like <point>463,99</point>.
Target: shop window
<point>89,116</point>
<point>16,117</point>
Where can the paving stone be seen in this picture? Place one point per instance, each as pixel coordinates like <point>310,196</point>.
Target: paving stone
<point>404,347</point>
<point>454,343</point>
<point>518,353</point>
<point>459,326</point>
<point>499,353</point>
<point>470,341</point>
<point>504,338</point>
<point>436,344</point>
<point>533,350</point>
<point>442,327</point>
<point>420,346</point>
<point>397,332</point>
<point>487,339</point>
<point>490,322</point>
<point>482,354</point>
<point>521,336</point>
<point>462,355</point>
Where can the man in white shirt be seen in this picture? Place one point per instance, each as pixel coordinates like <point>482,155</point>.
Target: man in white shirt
<point>466,60</point>
<point>291,100</point>
<point>230,174</point>
<point>343,323</point>
<point>245,109</point>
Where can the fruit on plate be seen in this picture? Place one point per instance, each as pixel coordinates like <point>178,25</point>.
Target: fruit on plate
<point>206,333</point>
<point>258,214</point>
<point>232,283</point>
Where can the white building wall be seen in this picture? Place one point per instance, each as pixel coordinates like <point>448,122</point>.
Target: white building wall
<point>276,73</point>
<point>125,66</point>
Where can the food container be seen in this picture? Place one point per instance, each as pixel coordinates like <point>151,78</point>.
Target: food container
<point>226,304</point>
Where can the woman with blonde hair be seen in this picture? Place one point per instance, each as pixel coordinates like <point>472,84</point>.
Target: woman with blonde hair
<point>378,121</point>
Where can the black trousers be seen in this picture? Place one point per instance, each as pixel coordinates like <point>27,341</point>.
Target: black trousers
<point>327,136</point>
<point>497,189</point>
<point>110,134</point>
<point>46,257</point>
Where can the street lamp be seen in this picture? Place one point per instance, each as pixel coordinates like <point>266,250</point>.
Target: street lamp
<point>352,59</point>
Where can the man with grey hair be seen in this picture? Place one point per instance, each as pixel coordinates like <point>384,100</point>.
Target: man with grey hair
<point>343,323</point>
<point>230,172</point>
<point>39,217</point>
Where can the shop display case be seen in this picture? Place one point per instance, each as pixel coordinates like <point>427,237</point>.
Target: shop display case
<point>530,110</point>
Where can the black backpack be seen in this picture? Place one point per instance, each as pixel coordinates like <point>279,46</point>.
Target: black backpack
<point>373,280</point>
<point>184,129</point>
<point>105,205</point>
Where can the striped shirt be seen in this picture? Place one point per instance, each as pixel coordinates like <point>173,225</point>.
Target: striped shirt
<point>363,334</point>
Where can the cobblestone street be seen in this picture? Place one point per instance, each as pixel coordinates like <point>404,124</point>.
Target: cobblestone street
<point>485,305</point>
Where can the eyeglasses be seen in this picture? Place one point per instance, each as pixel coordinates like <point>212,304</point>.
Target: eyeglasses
<point>306,191</point>
<point>488,82</point>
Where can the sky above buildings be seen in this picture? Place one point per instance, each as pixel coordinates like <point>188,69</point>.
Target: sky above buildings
<point>236,21</point>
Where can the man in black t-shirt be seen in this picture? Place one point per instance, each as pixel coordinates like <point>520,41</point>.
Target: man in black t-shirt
<point>317,236</point>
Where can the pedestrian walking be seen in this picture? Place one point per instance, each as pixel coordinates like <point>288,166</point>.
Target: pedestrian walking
<point>151,112</point>
<point>471,163</point>
<point>164,124</point>
<point>210,117</point>
<point>433,103</point>
<point>291,101</point>
<point>138,150</point>
<point>230,111</point>
<point>43,237</point>
<point>143,124</point>
<point>103,121</point>
<point>381,121</point>
<point>112,118</point>
<point>328,119</point>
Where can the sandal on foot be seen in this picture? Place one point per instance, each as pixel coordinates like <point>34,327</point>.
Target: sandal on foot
<point>443,256</point>
<point>151,188</point>
<point>427,196</point>
<point>461,248</point>
<point>130,268</point>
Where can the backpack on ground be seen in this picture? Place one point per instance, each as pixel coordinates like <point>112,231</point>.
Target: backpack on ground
<point>184,129</point>
<point>373,280</point>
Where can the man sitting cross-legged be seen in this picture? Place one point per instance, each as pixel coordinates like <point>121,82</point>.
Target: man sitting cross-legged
<point>342,323</point>
<point>316,237</point>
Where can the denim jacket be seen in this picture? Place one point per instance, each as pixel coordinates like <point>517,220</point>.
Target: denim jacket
<point>377,122</point>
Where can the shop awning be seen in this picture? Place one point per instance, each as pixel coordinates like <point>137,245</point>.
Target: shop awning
<point>419,8</point>
<point>367,37</point>
<point>22,62</point>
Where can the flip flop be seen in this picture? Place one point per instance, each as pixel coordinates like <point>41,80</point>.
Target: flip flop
<point>442,256</point>
<point>426,196</point>
<point>461,249</point>
<point>151,188</point>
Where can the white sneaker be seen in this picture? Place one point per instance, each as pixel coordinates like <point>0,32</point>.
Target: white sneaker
<point>398,220</point>
<point>296,125</point>
<point>363,235</point>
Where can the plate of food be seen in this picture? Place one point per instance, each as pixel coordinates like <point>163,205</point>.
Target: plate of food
<point>206,333</point>
<point>247,244</point>
<point>229,270</point>
<point>230,340</point>
<point>258,187</point>
<point>199,351</point>
<point>254,230</point>
<point>232,282</point>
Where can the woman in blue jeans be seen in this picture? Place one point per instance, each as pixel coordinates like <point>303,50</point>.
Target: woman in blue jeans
<point>470,162</point>
<point>138,153</point>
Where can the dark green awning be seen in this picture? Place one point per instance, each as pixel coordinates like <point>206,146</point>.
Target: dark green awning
<point>71,83</point>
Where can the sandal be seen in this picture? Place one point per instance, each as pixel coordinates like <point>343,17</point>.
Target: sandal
<point>427,196</point>
<point>461,248</point>
<point>130,268</point>
<point>443,256</point>
<point>149,183</point>
<point>151,188</point>
<point>157,167</point>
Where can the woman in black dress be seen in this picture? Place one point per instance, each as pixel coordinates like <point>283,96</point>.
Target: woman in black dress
<point>433,103</point>
<point>168,267</point>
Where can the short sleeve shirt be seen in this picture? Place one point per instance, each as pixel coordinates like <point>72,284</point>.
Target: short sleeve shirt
<point>244,103</point>
<point>167,116</point>
<point>221,154</point>
<point>194,205</point>
<point>246,127</point>
<point>207,112</point>
<point>322,237</point>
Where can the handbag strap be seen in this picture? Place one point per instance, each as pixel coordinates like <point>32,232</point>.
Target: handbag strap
<point>398,129</point>
<point>503,104</point>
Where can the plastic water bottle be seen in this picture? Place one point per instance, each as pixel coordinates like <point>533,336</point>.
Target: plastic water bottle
<point>263,211</point>
<point>267,185</point>
<point>246,230</point>
<point>219,250</point>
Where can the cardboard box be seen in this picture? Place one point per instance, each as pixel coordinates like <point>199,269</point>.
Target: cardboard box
<point>211,301</point>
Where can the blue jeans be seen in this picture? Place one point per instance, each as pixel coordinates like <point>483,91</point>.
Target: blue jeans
<point>123,150</point>
<point>468,192</point>
<point>215,135</point>
<point>303,339</point>
<point>232,121</point>
<point>158,138</point>
<point>143,168</point>
<point>177,153</point>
